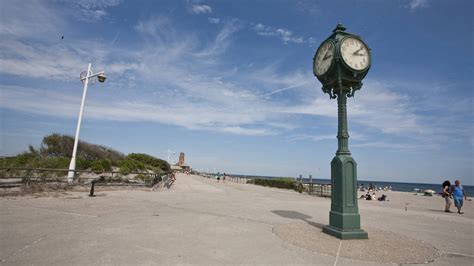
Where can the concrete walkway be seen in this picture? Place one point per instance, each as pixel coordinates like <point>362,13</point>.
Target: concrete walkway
<point>199,221</point>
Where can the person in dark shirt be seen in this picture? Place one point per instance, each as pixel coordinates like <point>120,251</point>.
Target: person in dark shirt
<point>446,195</point>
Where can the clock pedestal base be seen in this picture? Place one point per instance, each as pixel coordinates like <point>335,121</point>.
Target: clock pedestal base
<point>345,235</point>
<point>344,218</point>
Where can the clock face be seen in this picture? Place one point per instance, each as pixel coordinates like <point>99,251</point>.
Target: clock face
<point>355,53</point>
<point>323,59</point>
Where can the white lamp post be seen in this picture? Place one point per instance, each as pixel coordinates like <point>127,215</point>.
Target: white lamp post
<point>170,152</point>
<point>85,78</point>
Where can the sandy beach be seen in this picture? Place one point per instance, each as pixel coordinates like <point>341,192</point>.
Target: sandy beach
<point>415,203</point>
<point>200,221</point>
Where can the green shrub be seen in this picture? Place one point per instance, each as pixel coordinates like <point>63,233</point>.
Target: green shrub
<point>101,166</point>
<point>53,162</point>
<point>288,183</point>
<point>23,159</point>
<point>152,163</point>
<point>55,152</point>
<point>56,145</point>
<point>31,160</point>
<point>83,164</point>
<point>144,178</point>
<point>128,166</point>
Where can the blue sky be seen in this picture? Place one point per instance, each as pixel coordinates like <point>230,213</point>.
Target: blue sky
<point>230,83</point>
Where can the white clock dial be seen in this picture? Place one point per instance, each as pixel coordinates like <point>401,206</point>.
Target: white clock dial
<point>324,58</point>
<point>355,53</point>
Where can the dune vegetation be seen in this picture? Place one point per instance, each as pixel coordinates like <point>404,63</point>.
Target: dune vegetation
<point>55,152</point>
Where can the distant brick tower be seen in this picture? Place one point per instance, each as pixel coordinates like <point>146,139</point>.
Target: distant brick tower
<point>181,159</point>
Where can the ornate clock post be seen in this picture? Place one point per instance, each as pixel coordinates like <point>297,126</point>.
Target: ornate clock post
<point>340,64</point>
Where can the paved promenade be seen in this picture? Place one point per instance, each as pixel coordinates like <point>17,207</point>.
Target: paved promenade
<point>199,221</point>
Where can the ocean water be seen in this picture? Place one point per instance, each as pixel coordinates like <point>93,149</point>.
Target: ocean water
<point>396,186</point>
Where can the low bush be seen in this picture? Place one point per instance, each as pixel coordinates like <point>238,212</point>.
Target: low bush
<point>144,178</point>
<point>152,163</point>
<point>53,162</point>
<point>101,166</point>
<point>31,160</point>
<point>128,166</point>
<point>55,153</point>
<point>57,145</point>
<point>288,183</point>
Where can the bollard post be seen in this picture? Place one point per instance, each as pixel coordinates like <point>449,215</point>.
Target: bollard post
<point>310,189</point>
<point>91,193</point>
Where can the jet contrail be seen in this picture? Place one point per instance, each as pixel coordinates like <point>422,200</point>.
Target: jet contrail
<point>284,89</point>
<point>115,38</point>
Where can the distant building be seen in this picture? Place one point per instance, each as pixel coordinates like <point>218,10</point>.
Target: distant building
<point>181,159</point>
<point>180,166</point>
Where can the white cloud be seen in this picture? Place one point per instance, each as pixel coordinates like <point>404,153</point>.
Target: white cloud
<point>29,19</point>
<point>170,66</point>
<point>308,6</point>
<point>222,40</point>
<point>374,106</point>
<point>417,4</point>
<point>388,145</point>
<point>299,137</point>
<point>97,4</point>
<point>214,20</point>
<point>179,113</point>
<point>93,10</point>
<point>237,130</point>
<point>200,9</point>
<point>40,60</point>
<point>284,34</point>
<point>207,94</point>
<point>159,28</point>
<point>318,137</point>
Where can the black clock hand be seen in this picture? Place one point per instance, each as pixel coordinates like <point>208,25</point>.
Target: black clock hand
<point>327,56</point>
<point>357,52</point>
<point>324,57</point>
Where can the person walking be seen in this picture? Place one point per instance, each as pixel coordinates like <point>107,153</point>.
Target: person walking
<point>458,193</point>
<point>447,195</point>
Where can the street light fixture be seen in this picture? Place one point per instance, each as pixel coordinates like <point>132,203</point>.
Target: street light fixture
<point>170,152</point>
<point>86,78</point>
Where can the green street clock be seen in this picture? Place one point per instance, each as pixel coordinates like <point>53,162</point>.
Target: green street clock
<point>342,57</point>
<point>340,64</point>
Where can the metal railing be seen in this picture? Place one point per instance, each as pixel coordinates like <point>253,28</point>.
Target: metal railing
<point>235,179</point>
<point>317,189</point>
<point>312,188</point>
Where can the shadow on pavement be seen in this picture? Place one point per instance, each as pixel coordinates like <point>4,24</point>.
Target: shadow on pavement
<point>297,216</point>
<point>438,210</point>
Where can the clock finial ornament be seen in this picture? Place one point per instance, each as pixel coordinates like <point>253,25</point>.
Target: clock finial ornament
<point>339,28</point>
